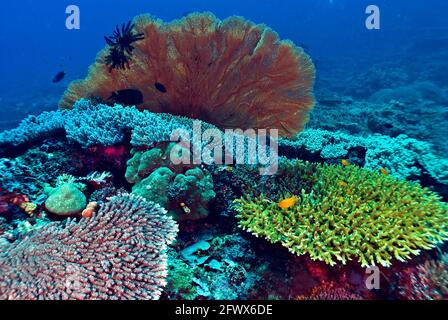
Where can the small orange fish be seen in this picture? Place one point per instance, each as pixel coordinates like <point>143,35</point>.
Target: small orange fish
<point>87,213</point>
<point>343,184</point>
<point>341,199</point>
<point>287,203</point>
<point>384,171</point>
<point>90,210</point>
<point>345,163</point>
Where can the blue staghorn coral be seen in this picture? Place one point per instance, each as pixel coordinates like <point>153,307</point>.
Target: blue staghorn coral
<point>403,157</point>
<point>89,125</point>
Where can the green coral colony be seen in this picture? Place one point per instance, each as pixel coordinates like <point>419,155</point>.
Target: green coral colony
<point>345,213</point>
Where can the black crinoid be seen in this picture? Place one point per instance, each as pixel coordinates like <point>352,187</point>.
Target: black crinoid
<point>121,48</point>
<point>117,59</point>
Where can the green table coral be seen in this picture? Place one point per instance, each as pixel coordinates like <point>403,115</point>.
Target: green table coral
<point>350,213</point>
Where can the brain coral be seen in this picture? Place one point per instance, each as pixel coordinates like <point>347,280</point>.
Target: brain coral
<point>117,254</point>
<point>350,213</point>
<point>231,73</point>
<point>66,200</point>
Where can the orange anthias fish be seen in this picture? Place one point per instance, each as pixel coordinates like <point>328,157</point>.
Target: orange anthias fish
<point>384,171</point>
<point>345,162</point>
<point>287,203</point>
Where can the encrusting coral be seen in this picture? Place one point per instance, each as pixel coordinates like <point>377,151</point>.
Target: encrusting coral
<point>350,213</point>
<point>184,190</point>
<point>143,163</point>
<point>118,253</point>
<point>231,73</point>
<point>186,196</point>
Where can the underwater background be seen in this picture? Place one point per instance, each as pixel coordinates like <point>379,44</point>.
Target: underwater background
<point>381,104</point>
<point>412,44</point>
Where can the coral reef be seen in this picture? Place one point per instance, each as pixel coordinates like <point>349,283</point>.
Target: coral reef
<point>231,73</point>
<point>350,213</point>
<point>403,157</point>
<point>416,93</point>
<point>406,94</point>
<point>4,227</point>
<point>419,120</point>
<point>184,190</point>
<point>89,125</point>
<point>330,291</point>
<point>143,163</point>
<point>117,254</point>
<point>180,281</point>
<point>25,173</point>
<point>213,265</point>
<point>186,195</point>
<point>70,228</point>
<point>427,281</point>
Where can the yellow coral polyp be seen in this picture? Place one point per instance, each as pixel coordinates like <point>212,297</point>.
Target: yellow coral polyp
<point>381,218</point>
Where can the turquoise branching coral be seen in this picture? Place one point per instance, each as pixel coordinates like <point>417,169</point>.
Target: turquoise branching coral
<point>350,213</point>
<point>404,157</point>
<point>88,124</point>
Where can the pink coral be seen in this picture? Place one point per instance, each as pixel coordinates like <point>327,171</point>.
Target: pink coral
<point>427,281</point>
<point>119,253</point>
<point>331,291</point>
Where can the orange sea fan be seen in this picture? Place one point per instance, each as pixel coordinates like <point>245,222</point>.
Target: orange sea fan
<point>231,73</point>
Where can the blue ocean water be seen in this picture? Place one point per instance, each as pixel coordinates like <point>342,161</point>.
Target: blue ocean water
<point>35,43</point>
